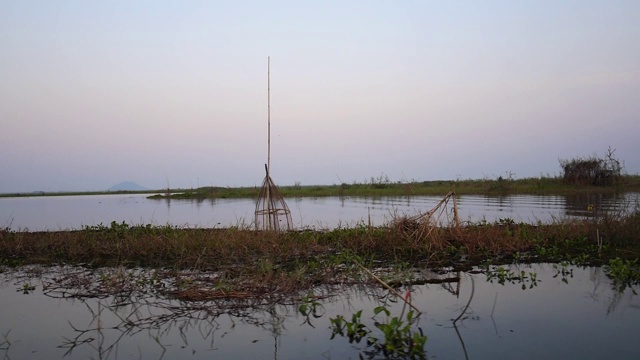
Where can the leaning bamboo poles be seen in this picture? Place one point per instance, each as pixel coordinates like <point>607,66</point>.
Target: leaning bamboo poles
<point>271,209</point>
<point>420,226</point>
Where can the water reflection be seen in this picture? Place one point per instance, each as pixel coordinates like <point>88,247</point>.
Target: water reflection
<point>590,205</point>
<point>570,312</point>
<point>74,212</point>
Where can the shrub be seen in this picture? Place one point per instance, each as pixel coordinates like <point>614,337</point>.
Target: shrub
<point>592,170</point>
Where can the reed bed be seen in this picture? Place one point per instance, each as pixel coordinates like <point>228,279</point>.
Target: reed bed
<point>383,186</point>
<point>215,249</point>
<point>206,264</point>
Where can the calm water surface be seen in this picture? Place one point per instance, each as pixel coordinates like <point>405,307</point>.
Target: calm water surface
<point>74,212</point>
<point>570,314</point>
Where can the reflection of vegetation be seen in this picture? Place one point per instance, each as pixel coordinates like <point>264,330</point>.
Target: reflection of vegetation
<point>142,309</point>
<point>96,336</point>
<point>624,273</point>
<point>563,271</point>
<point>5,344</point>
<point>310,308</point>
<point>118,320</point>
<point>503,275</point>
<point>395,338</point>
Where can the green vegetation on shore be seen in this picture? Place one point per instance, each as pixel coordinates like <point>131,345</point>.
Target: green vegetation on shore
<point>78,193</point>
<point>580,174</point>
<point>376,188</point>
<point>257,261</point>
<point>382,186</point>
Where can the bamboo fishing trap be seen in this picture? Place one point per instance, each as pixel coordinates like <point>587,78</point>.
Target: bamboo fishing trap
<point>272,211</point>
<point>422,225</point>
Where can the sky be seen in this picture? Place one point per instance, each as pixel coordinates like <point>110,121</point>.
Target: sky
<point>174,93</point>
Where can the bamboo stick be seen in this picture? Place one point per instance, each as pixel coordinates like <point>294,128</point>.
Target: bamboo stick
<point>392,290</point>
<point>455,209</point>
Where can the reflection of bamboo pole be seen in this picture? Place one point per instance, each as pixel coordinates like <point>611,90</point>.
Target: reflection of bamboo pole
<point>493,309</point>
<point>473,288</point>
<point>392,290</point>
<point>464,348</point>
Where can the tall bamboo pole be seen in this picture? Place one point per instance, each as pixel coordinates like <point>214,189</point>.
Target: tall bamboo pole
<point>268,113</point>
<point>268,140</point>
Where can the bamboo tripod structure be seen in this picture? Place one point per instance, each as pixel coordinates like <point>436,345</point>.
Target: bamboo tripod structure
<point>421,225</point>
<point>271,209</point>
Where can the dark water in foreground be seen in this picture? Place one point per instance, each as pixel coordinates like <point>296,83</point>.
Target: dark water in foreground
<point>74,212</point>
<point>567,312</point>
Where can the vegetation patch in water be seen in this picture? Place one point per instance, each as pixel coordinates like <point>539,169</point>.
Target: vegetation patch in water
<point>240,262</point>
<point>624,273</point>
<point>393,337</point>
<point>503,275</point>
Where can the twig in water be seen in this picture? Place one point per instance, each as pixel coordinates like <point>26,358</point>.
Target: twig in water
<point>392,290</point>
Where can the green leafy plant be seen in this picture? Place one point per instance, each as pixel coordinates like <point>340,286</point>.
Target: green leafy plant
<point>395,338</point>
<point>27,288</point>
<point>354,329</point>
<point>400,340</point>
<point>549,253</point>
<point>624,273</point>
<point>581,259</point>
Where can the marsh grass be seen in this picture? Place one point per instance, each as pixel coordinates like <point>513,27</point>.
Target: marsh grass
<point>383,186</point>
<point>268,252</point>
<point>256,263</point>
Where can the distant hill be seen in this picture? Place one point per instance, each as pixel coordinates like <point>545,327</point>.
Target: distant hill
<point>127,186</point>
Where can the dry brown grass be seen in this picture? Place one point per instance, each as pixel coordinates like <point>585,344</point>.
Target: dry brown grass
<point>216,249</point>
<point>247,263</point>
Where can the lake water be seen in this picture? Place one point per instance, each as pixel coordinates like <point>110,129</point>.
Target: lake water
<point>74,212</point>
<point>566,313</point>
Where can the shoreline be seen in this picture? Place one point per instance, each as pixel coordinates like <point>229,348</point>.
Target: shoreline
<point>374,188</point>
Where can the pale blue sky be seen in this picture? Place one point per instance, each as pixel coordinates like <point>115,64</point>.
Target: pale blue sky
<point>93,93</point>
